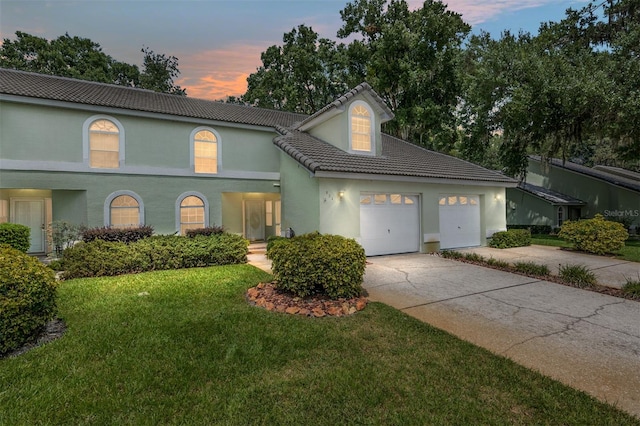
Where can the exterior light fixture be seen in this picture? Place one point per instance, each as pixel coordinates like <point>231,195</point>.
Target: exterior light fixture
<point>341,194</point>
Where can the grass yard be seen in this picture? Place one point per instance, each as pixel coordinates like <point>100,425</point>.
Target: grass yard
<point>194,352</point>
<point>630,252</point>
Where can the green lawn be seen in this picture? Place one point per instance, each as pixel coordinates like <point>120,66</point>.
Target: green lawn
<point>630,252</point>
<point>194,352</point>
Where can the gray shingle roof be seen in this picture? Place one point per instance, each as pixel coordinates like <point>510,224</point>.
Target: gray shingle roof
<point>615,179</point>
<point>550,196</point>
<point>399,158</point>
<point>42,86</point>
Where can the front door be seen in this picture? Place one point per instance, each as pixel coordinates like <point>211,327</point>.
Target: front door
<point>30,212</point>
<point>254,220</point>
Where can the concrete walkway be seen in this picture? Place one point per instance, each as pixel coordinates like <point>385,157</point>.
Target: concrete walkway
<point>584,339</point>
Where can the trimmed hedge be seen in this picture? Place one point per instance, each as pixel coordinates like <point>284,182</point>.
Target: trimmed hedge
<point>27,298</point>
<point>15,235</point>
<point>535,229</point>
<point>318,264</point>
<point>597,235</point>
<point>124,235</point>
<point>511,238</point>
<point>107,258</point>
<point>208,231</point>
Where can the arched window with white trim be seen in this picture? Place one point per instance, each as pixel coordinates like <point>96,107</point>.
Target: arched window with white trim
<point>123,209</point>
<point>361,128</point>
<point>205,150</point>
<point>192,212</point>
<point>103,142</point>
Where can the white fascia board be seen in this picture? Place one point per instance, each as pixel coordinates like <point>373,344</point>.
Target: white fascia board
<point>414,179</point>
<point>71,167</point>
<point>130,112</point>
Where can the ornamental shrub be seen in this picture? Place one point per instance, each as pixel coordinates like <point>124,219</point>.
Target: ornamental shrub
<point>511,238</point>
<point>15,235</point>
<point>578,275</point>
<point>313,263</point>
<point>124,235</point>
<point>597,235</point>
<point>209,230</point>
<point>27,298</point>
<point>108,258</point>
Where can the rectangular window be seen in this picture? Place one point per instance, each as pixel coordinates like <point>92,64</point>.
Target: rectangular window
<point>268,209</point>
<point>396,198</point>
<point>380,198</point>
<point>452,201</point>
<point>365,199</point>
<point>205,157</point>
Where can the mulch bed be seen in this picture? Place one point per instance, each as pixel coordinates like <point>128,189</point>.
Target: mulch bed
<point>266,296</point>
<point>52,331</point>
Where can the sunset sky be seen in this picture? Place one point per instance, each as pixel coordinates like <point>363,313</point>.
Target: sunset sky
<point>219,42</point>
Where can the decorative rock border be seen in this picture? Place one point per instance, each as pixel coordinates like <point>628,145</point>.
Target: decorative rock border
<point>266,296</point>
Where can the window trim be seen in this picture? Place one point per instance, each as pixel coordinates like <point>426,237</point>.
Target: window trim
<point>86,152</point>
<point>372,151</point>
<point>192,158</point>
<point>113,196</point>
<point>179,200</point>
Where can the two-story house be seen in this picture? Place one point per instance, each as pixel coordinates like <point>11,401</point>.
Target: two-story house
<point>104,155</point>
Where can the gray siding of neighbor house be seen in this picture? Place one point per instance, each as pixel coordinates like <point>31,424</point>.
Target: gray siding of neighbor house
<point>601,197</point>
<point>526,209</point>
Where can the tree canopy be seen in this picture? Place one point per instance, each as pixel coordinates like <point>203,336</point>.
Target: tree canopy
<point>571,91</point>
<point>81,58</point>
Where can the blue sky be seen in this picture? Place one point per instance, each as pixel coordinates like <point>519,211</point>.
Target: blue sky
<point>218,42</point>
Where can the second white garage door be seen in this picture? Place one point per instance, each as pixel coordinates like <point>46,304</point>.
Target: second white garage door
<point>389,223</point>
<point>459,221</point>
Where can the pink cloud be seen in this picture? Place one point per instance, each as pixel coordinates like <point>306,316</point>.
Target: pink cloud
<point>478,11</point>
<point>218,73</point>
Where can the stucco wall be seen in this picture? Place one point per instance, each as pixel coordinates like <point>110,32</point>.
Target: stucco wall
<point>300,198</point>
<point>525,209</point>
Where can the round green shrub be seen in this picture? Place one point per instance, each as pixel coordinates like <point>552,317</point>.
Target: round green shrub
<point>511,238</point>
<point>15,235</point>
<point>597,235</point>
<point>318,264</point>
<point>27,297</point>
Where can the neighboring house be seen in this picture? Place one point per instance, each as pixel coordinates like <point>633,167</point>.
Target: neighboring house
<point>556,191</point>
<point>104,155</point>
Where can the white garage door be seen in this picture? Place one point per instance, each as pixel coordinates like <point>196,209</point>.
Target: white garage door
<point>459,221</point>
<point>389,223</point>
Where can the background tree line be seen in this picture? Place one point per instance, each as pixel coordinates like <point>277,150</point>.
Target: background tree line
<point>571,91</point>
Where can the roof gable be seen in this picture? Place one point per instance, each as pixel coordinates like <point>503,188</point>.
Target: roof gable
<point>363,90</point>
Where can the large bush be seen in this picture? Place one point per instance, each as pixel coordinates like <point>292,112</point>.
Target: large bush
<point>595,235</point>
<point>107,258</point>
<point>27,297</point>
<point>511,238</point>
<point>15,235</point>
<point>318,264</point>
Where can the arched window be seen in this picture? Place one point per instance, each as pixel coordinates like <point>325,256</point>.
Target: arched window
<point>102,142</point>
<point>361,127</point>
<point>205,151</point>
<point>192,212</point>
<point>104,145</point>
<point>123,209</point>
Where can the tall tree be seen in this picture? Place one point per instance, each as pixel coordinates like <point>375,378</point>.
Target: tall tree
<point>566,92</point>
<point>81,58</point>
<point>304,74</point>
<point>412,58</point>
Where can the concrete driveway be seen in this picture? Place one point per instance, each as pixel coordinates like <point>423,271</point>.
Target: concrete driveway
<point>584,339</point>
<point>608,270</point>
